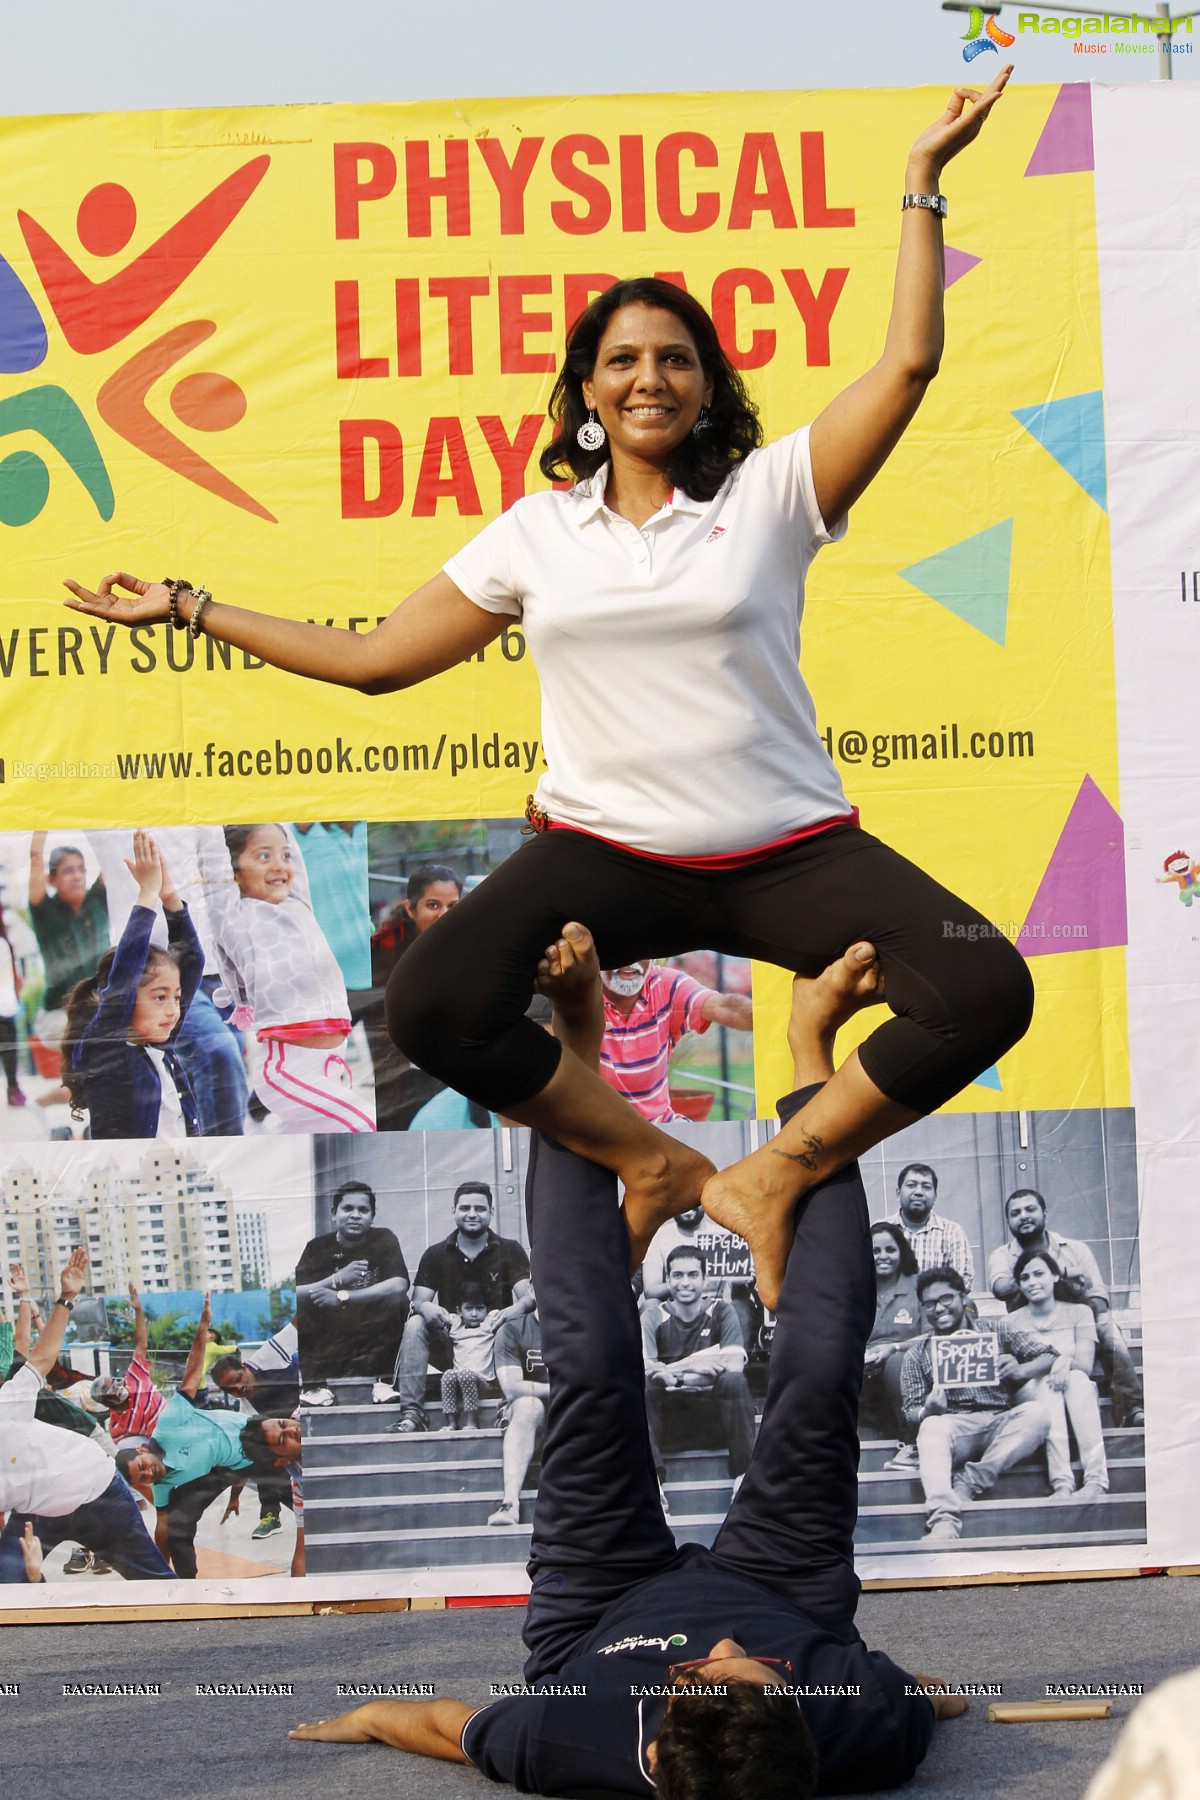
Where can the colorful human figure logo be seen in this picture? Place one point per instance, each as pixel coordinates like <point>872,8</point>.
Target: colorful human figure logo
<point>1180,871</point>
<point>96,315</point>
<point>983,37</point>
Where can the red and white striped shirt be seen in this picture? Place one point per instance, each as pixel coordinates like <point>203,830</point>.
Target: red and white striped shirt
<point>636,1050</point>
<point>145,1403</point>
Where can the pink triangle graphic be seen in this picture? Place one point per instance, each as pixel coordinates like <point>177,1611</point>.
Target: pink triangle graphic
<point>1065,146</point>
<point>958,263</point>
<point>1080,903</point>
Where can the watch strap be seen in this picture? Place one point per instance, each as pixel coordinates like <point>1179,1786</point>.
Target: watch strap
<point>935,203</point>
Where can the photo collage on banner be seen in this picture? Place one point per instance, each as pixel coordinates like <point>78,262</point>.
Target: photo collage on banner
<point>194,961</point>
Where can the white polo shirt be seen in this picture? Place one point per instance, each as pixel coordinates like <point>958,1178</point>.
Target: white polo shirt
<point>674,716</point>
<point>44,1469</point>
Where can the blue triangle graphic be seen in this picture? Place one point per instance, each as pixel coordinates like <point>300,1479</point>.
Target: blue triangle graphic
<point>970,579</point>
<point>989,1079</point>
<point>1072,430</point>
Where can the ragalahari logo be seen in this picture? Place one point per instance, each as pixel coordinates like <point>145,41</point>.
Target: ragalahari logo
<point>981,36</point>
<point>96,315</point>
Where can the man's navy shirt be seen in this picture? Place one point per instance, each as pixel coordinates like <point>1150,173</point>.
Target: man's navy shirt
<point>444,1269</point>
<point>574,1744</point>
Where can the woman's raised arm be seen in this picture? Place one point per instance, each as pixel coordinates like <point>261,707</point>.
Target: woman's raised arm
<point>436,627</point>
<point>854,435</point>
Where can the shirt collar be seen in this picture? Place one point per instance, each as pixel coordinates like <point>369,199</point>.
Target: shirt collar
<point>589,497</point>
<point>451,1242</point>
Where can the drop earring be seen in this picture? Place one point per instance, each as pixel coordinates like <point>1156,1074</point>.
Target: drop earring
<point>591,434</point>
<point>703,423</point>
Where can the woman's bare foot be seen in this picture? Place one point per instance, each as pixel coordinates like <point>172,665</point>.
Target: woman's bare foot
<point>569,976</point>
<point>757,1197</point>
<point>820,1008</point>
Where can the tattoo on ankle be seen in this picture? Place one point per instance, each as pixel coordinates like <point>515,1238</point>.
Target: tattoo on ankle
<point>807,1158</point>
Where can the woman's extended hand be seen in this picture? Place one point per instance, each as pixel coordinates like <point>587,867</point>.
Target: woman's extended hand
<point>145,604</point>
<point>958,126</point>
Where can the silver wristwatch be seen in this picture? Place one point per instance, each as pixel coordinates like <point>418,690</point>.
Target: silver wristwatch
<point>935,203</point>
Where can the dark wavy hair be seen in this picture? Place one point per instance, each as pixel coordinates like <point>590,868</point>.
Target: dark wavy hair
<point>908,1256</point>
<point>1027,1256</point>
<point>740,1744</point>
<point>699,465</point>
<point>81,1004</point>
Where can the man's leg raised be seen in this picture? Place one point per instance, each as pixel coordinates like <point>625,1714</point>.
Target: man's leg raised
<point>792,1523</point>
<point>598,1526</point>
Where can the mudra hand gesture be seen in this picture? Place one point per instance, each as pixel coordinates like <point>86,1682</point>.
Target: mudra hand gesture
<point>958,125</point>
<point>144,603</point>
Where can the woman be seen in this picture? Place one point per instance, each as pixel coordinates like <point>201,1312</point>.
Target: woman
<point>704,813</point>
<point>431,891</point>
<point>1068,1389</point>
<point>401,1090</point>
<point>897,1322</point>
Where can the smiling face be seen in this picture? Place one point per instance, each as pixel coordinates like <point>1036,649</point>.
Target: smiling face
<point>625,983</point>
<point>472,1214</point>
<point>434,903</point>
<point>944,1307</point>
<point>886,1254</point>
<point>264,869</point>
<point>685,1279</point>
<point>156,1008</point>
<point>648,384</point>
<point>1036,1282</point>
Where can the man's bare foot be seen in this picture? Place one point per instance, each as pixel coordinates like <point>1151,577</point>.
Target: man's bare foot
<point>820,1008</point>
<point>569,976</point>
<point>945,1706</point>
<point>756,1198</point>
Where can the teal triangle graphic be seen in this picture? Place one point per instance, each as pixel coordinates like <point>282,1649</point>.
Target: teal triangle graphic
<point>1072,430</point>
<point>970,579</point>
<point>989,1079</point>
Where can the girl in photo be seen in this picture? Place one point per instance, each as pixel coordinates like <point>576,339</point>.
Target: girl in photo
<point>284,981</point>
<point>119,1061</point>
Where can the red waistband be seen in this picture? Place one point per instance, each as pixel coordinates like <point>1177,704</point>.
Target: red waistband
<point>733,859</point>
<point>306,1028</point>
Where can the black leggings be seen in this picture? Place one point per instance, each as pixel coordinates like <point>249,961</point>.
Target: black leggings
<point>960,994</point>
<point>8,1050</point>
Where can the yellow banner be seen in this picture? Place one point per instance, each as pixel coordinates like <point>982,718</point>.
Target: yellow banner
<point>302,354</point>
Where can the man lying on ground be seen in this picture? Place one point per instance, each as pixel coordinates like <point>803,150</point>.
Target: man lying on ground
<point>652,1665</point>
